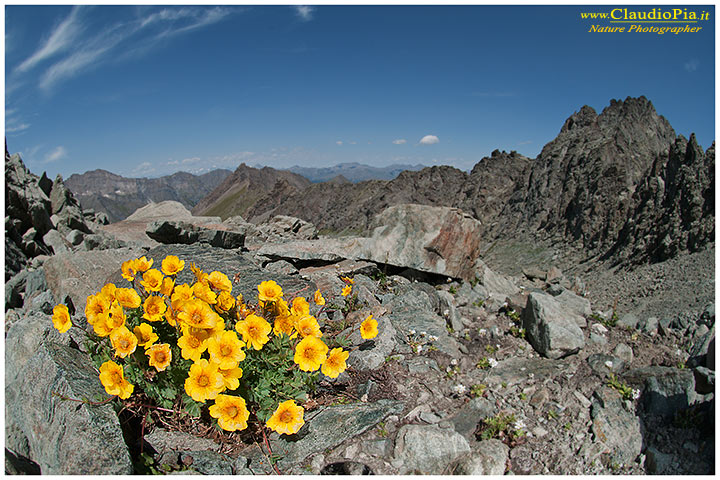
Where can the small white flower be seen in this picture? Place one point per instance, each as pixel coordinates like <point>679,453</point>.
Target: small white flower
<point>519,425</point>
<point>412,332</point>
<point>492,362</point>
<point>636,393</point>
<point>497,345</point>
<point>459,389</point>
<point>482,332</point>
<point>531,375</point>
<point>422,334</point>
<point>446,313</point>
<point>609,364</point>
<point>453,361</point>
<point>418,349</point>
<point>432,338</point>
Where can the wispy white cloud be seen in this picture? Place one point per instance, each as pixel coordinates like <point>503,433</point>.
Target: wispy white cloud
<point>120,41</point>
<point>305,12</point>
<point>429,140</point>
<point>339,142</point>
<point>526,142</point>
<point>144,168</point>
<point>61,38</point>
<point>16,128</point>
<point>692,65</point>
<point>400,141</point>
<point>58,153</point>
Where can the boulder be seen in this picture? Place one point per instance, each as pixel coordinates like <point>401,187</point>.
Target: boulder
<point>617,428</point>
<point>80,274</point>
<point>667,389</point>
<point>551,330</point>
<point>63,437</point>
<point>428,449</point>
<point>488,458</point>
<point>330,427</point>
<point>172,232</point>
<point>372,353</point>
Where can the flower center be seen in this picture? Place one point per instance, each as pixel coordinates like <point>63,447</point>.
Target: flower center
<point>194,341</point>
<point>116,377</point>
<point>286,416</point>
<point>124,343</point>
<point>160,357</point>
<point>203,380</point>
<point>226,350</point>
<point>231,411</point>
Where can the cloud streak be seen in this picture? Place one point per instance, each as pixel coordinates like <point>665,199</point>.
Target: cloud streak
<point>58,153</point>
<point>120,41</point>
<point>400,141</point>
<point>59,40</point>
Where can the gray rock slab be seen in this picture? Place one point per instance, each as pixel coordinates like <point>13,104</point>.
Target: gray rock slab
<point>667,390</point>
<point>412,310</point>
<point>465,420</point>
<point>576,304</point>
<point>488,458</point>
<point>618,429</point>
<point>372,353</point>
<point>551,330</point>
<point>330,427</point>
<point>428,449</point>
<point>66,437</point>
<point>517,370</point>
<point>164,441</point>
<point>79,274</point>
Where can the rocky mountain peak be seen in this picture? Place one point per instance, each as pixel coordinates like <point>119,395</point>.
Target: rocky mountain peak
<point>583,118</point>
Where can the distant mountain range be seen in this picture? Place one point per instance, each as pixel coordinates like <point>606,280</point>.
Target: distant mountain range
<point>353,172</point>
<point>118,196</point>
<point>619,183</point>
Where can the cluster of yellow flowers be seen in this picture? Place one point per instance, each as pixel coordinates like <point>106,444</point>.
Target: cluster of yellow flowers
<point>201,316</point>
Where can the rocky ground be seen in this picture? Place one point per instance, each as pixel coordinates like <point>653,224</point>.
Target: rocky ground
<point>527,373</point>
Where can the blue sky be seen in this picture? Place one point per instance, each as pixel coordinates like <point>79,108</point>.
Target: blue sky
<point>146,91</point>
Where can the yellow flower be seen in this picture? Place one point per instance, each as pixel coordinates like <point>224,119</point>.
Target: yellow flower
<point>167,286</point>
<point>159,355</point>
<point>231,412</point>
<point>220,281</point>
<point>128,297</point>
<point>109,290</point>
<point>203,292</point>
<point>145,335</point>
<point>204,382</point>
<point>199,274</point>
<point>142,264</point>
<point>97,308</point>
<point>300,307</point>
<point>310,353</point>
<point>368,328</point>
<point>154,308</point>
<point>225,301</point>
<point>113,379</point>
<point>347,280</point>
<point>197,314</point>
<point>307,325</point>
<point>172,265</point>
<point>181,293</point>
<point>319,300</point>
<point>101,327</point>
<point>254,330</point>
<point>152,280</point>
<point>117,316</point>
<point>193,343</point>
<point>226,350</point>
<point>335,363</point>
<point>284,324</point>
<point>269,291</point>
<point>123,341</point>
<point>171,317</point>
<point>231,377</point>
<point>61,318</point>
<point>287,419</point>
<point>128,270</point>
<point>346,290</point>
